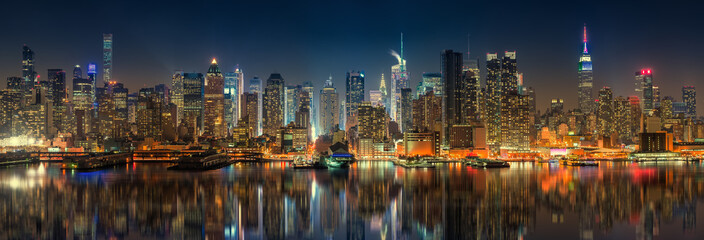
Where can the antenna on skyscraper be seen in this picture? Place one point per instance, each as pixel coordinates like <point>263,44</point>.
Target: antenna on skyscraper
<point>402,46</point>
<point>468,45</point>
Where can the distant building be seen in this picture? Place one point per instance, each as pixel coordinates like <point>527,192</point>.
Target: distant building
<point>250,111</point>
<point>406,109</point>
<point>605,112</point>
<point>659,141</point>
<point>453,89</point>
<point>354,94</point>
<point>273,111</point>
<point>689,97</point>
<point>644,85</point>
<point>193,91</point>
<point>233,92</point>
<point>214,103</point>
<point>515,122</point>
<point>293,139</point>
<point>177,94</point>
<point>427,112</point>
<point>329,109</point>
<point>107,57</point>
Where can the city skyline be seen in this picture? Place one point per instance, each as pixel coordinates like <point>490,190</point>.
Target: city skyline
<point>616,54</point>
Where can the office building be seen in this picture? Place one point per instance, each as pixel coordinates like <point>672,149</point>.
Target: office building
<point>515,121</point>
<point>354,95</point>
<point>250,110</point>
<point>273,112</point>
<point>329,109</point>
<point>644,86</point>
<point>193,103</point>
<point>689,97</point>
<point>605,112</point>
<point>454,94</point>
<point>214,103</point>
<point>107,57</point>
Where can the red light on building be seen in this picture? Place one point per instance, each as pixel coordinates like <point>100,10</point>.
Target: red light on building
<point>648,71</point>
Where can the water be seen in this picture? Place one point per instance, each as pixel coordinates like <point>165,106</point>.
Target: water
<point>372,200</point>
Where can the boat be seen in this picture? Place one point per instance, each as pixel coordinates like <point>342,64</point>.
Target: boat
<point>413,162</point>
<point>579,163</point>
<point>202,161</point>
<point>96,161</point>
<point>314,163</point>
<point>476,161</point>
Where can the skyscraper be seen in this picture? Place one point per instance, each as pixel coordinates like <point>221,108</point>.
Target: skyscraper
<point>250,111</point>
<point>644,85</point>
<point>291,103</point>
<point>193,102</point>
<point>77,73</point>
<point>515,121</point>
<point>329,108</point>
<point>82,93</point>
<point>454,97</point>
<point>28,73</point>
<point>384,93</point>
<point>57,95</point>
<point>493,98</point>
<point>233,80</point>
<point>92,72</point>
<point>689,97</point>
<point>622,119</point>
<point>354,94</point>
<point>509,73</point>
<point>107,57</point>
<point>177,94</point>
<point>432,81</point>
<point>255,86</point>
<point>427,112</point>
<point>605,112</point>
<point>586,78</point>
<point>399,80</point>
<point>273,117</point>
<point>214,103</point>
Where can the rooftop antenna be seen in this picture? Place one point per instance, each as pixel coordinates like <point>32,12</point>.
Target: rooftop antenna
<point>402,59</point>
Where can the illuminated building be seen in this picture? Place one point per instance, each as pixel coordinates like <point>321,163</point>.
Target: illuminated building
<point>644,85</point>
<point>453,89</point>
<point>460,137</point>
<point>636,114</point>
<point>432,81</point>
<point>214,103</point>
<point>92,72</point>
<point>421,143</point>
<point>689,97</point>
<point>372,122</point>
<point>509,73</point>
<point>493,99</point>
<point>302,116</point>
<point>273,111</point>
<point>57,96</point>
<point>586,79</point>
<point>291,103</point>
<point>82,93</point>
<point>656,97</point>
<point>193,102</point>
<point>515,121</point>
<point>659,141</point>
<point>384,93</point>
<point>28,74</point>
<point>375,98</point>
<point>255,86</point>
<point>149,109</point>
<point>10,103</point>
<point>622,119</point>
<point>233,93</point>
<point>427,112</point>
<point>177,94</point>
<point>329,109</point>
<point>399,80</point>
<point>557,105</point>
<point>309,100</point>
<point>666,108</point>
<point>292,139</point>
<point>406,109</point>
<point>250,111</point>
<point>107,57</point>
<point>354,95</point>
<point>605,112</point>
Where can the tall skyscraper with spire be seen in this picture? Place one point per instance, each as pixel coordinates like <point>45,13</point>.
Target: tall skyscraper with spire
<point>107,57</point>
<point>586,78</point>
<point>214,103</point>
<point>399,80</point>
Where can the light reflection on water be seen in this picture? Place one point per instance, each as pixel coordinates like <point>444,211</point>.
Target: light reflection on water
<point>371,200</point>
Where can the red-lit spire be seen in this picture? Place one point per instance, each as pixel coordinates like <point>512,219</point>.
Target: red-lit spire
<point>585,39</point>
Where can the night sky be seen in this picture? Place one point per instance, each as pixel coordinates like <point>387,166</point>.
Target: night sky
<point>307,41</point>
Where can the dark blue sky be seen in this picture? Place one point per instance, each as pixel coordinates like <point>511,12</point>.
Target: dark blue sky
<point>308,40</point>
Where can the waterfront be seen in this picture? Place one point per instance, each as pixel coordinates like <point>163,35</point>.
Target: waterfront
<point>371,200</point>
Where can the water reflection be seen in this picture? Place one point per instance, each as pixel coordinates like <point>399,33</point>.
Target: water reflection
<point>372,200</point>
